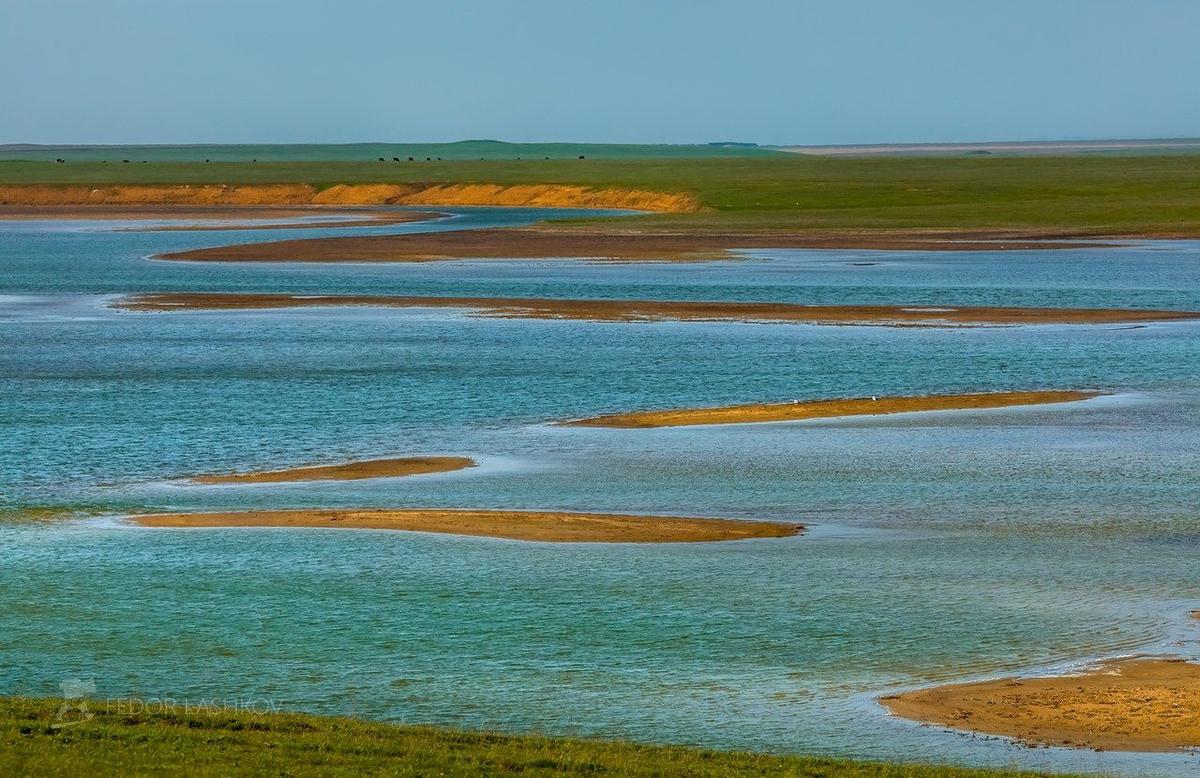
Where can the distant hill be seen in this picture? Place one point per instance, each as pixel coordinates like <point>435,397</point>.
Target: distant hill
<point>1020,148</point>
<point>461,150</point>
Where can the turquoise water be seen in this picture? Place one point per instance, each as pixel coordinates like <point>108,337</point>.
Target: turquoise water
<point>943,545</point>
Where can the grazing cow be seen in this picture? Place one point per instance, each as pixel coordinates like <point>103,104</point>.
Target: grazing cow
<point>60,161</point>
<point>439,159</point>
<point>395,159</point>
<point>581,156</point>
<point>125,160</point>
<point>381,159</point>
<point>410,159</point>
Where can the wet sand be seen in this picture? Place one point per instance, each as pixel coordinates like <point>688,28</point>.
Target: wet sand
<point>217,213</point>
<point>826,409</point>
<point>1147,704</point>
<point>350,471</point>
<point>666,310</point>
<point>536,243</point>
<point>545,526</point>
<point>364,219</point>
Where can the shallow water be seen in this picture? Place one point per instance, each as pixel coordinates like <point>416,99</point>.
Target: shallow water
<point>943,545</point>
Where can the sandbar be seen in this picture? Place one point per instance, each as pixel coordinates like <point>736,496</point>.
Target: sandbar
<point>544,526</point>
<point>825,409</point>
<point>349,471</point>
<point>1144,704</point>
<point>667,310</point>
<point>540,243</point>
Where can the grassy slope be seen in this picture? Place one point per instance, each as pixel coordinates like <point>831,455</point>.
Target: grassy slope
<point>223,743</point>
<point>1130,195</point>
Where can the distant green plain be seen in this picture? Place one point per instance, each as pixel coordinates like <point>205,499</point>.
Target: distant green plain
<point>128,738</point>
<point>370,152</point>
<point>1109,194</point>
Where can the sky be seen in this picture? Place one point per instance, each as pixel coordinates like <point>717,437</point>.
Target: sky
<point>669,71</point>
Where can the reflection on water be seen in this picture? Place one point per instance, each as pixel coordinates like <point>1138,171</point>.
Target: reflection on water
<point>943,545</point>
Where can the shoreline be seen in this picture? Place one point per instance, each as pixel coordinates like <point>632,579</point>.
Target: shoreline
<point>348,216</point>
<point>663,310</point>
<point>755,413</point>
<point>348,471</point>
<point>539,526</point>
<point>1140,704</point>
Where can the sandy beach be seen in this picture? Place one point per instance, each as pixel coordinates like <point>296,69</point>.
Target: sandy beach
<point>1145,704</point>
<point>544,526</point>
<point>349,471</point>
<point>665,310</point>
<point>825,409</point>
<point>535,243</point>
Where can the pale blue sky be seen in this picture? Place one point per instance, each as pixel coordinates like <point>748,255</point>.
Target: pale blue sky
<point>845,71</point>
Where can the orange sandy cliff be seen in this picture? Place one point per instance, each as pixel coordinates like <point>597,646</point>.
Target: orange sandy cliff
<point>530,195</point>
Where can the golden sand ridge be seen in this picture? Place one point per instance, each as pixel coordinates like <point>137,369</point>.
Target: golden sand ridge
<point>544,526</point>
<point>349,471</point>
<point>1145,704</point>
<point>826,409</point>
<point>666,310</point>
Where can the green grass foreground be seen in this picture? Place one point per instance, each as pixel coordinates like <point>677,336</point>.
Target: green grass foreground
<point>122,738</point>
<point>1118,195</point>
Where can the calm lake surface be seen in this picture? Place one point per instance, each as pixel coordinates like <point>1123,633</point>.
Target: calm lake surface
<point>945,545</point>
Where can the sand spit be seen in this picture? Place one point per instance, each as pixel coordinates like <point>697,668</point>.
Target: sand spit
<point>536,243</point>
<point>826,409</point>
<point>545,526</point>
<point>666,310</point>
<point>1146,704</point>
<point>529,195</point>
<point>350,471</point>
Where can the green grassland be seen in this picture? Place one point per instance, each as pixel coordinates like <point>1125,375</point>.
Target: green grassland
<point>127,739</point>
<point>1141,194</point>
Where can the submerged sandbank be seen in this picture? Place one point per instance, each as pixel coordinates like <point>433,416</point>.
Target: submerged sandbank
<point>545,526</point>
<point>349,471</point>
<point>666,310</point>
<point>539,243</point>
<point>825,409</point>
<point>1145,704</point>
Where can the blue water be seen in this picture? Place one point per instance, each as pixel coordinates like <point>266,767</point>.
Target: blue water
<point>943,545</point>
